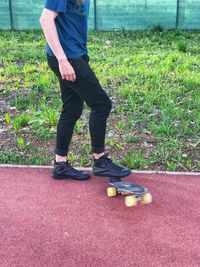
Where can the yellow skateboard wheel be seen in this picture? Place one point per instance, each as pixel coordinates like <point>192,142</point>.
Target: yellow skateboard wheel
<point>146,198</point>
<point>130,201</point>
<point>111,191</point>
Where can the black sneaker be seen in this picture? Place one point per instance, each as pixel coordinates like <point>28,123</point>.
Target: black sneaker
<point>105,167</point>
<point>63,170</point>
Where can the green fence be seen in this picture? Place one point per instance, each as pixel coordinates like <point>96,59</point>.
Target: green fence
<point>108,15</point>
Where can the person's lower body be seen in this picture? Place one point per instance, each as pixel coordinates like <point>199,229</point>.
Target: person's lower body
<point>86,88</point>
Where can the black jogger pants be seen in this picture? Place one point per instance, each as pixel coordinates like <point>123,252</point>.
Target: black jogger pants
<point>86,88</point>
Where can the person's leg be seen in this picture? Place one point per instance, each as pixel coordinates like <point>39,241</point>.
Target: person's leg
<point>88,87</point>
<point>71,111</point>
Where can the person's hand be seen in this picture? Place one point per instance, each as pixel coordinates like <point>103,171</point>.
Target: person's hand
<point>66,70</point>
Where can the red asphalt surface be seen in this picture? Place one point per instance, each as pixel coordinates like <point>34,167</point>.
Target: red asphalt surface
<point>51,223</point>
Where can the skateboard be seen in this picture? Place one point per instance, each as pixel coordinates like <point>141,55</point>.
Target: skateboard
<point>133,191</point>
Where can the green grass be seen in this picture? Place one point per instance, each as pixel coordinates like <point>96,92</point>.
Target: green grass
<point>152,76</point>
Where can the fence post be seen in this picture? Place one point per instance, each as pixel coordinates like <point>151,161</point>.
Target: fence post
<point>11,15</point>
<point>177,13</point>
<point>95,15</point>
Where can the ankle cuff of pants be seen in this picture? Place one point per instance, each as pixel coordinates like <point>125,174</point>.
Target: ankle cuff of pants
<point>99,149</point>
<point>61,152</point>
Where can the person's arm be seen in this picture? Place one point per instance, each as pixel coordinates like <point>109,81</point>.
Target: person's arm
<point>49,29</point>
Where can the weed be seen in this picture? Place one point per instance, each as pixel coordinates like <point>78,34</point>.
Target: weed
<point>132,139</point>
<point>157,28</point>
<point>134,159</point>
<point>120,125</point>
<point>182,46</point>
<point>84,161</point>
<point>21,143</point>
<point>7,118</point>
<point>71,156</point>
<point>20,122</point>
<point>79,126</point>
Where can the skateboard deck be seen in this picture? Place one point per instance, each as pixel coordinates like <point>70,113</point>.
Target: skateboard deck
<point>133,191</point>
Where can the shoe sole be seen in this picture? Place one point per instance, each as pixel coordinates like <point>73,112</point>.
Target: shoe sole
<point>105,175</point>
<point>69,177</point>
